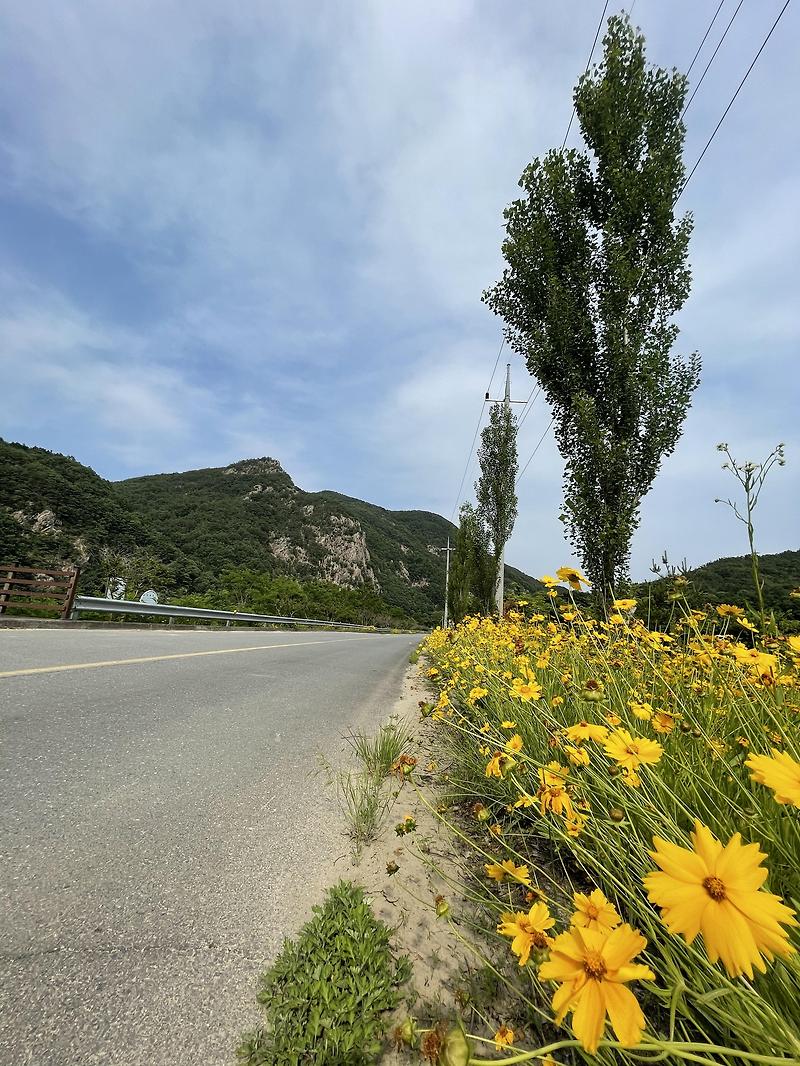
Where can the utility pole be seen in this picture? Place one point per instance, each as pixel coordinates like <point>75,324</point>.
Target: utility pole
<point>448,549</point>
<point>499,589</point>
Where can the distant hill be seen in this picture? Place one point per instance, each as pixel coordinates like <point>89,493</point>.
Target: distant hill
<point>730,580</point>
<point>249,515</point>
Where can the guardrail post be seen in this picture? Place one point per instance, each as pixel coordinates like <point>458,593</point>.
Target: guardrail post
<point>4,597</point>
<point>71,592</point>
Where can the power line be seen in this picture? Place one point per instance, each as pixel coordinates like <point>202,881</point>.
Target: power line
<point>536,449</point>
<point>529,405</point>
<point>475,435</point>
<point>713,55</point>
<point>705,35</point>
<point>588,61</point>
<point>732,100</point>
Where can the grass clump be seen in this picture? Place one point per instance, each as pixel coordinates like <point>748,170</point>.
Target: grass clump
<point>364,803</point>
<point>378,754</point>
<point>325,995</point>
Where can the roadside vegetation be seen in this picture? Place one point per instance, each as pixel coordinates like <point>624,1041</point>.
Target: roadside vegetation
<point>631,798</point>
<point>325,997</point>
<point>363,791</point>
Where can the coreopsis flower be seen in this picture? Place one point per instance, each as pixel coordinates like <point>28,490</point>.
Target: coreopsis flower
<point>594,911</point>
<point>662,722</point>
<point>745,623</point>
<point>574,824</point>
<point>630,752</point>
<point>500,764</point>
<point>548,581</point>
<point>508,725</point>
<point>642,711</point>
<point>525,690</point>
<point>525,800</point>
<point>577,756</point>
<point>552,793</point>
<point>514,744</point>
<point>780,772</point>
<point>504,1037</point>
<point>586,731</point>
<point>507,869</point>
<point>728,610</point>
<point>624,605</point>
<point>592,967</point>
<point>528,931</point>
<point>573,577</point>
<point>496,830</point>
<point>477,693</point>
<point>716,890</point>
<point>485,728</point>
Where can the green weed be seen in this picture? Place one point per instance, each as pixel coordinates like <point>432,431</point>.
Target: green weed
<point>324,996</point>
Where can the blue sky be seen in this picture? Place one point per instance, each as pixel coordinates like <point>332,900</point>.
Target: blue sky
<point>264,229</point>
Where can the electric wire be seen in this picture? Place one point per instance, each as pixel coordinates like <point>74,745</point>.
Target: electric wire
<point>536,449</point>
<point>705,35</point>
<point>713,56</point>
<point>733,99</point>
<point>588,61</point>
<point>475,434</point>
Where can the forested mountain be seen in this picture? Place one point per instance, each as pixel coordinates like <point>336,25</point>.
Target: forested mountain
<point>248,517</point>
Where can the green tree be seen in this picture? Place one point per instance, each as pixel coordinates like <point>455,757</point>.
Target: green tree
<point>596,270</point>
<point>472,567</point>
<point>495,488</point>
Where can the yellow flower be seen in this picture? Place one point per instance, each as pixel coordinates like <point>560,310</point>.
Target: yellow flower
<point>485,728</point>
<point>716,891</point>
<point>745,623</point>
<point>574,824</point>
<point>781,773</point>
<point>573,577</point>
<point>594,911</point>
<point>528,931</point>
<point>500,871</point>
<point>577,756</point>
<point>548,581</point>
<point>504,1037</point>
<point>613,719</point>
<point>508,725</point>
<point>552,793</point>
<point>586,731</point>
<point>525,800</point>
<point>477,693</point>
<point>514,744</point>
<point>500,764</point>
<point>525,690</point>
<point>663,722</point>
<point>642,711</point>
<point>630,752</point>
<point>727,610</point>
<point>624,605</point>
<point>593,966</point>
<point>496,829</point>
<point>616,618</point>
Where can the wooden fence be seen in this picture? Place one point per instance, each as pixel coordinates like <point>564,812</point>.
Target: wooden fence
<point>33,588</point>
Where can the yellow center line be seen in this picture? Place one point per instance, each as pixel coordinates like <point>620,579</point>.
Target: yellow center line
<point>163,658</point>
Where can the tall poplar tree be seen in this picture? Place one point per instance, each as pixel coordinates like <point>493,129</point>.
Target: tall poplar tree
<point>596,270</point>
<point>496,487</point>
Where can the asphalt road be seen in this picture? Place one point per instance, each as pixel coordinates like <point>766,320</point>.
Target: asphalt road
<point>163,825</point>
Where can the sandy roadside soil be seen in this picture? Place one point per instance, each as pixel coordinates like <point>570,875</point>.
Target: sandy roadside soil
<point>405,900</point>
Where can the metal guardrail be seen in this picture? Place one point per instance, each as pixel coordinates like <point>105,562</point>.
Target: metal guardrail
<point>167,610</point>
